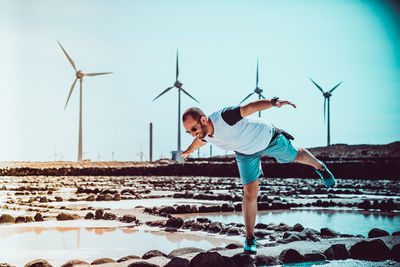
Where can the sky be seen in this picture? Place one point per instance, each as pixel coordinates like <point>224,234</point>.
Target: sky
<point>354,41</point>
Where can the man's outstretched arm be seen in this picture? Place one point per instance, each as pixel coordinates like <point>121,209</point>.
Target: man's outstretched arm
<point>262,104</point>
<point>195,145</point>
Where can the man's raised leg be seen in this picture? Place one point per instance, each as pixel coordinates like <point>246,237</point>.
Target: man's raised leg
<point>249,209</point>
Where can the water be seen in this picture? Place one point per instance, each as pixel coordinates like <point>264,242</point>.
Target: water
<point>20,244</point>
<point>344,221</point>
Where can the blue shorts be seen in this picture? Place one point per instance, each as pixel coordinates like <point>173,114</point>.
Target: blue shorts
<point>250,165</point>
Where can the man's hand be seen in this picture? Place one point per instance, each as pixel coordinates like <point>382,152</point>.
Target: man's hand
<point>280,103</point>
<point>185,154</point>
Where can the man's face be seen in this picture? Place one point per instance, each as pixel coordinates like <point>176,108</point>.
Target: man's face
<point>196,128</point>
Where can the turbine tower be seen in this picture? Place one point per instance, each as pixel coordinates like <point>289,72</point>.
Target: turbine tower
<point>258,91</point>
<point>327,95</point>
<point>79,75</point>
<point>178,85</point>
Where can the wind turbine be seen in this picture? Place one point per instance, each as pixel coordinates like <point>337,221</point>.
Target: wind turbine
<point>178,85</point>
<point>258,91</point>
<point>327,96</point>
<point>79,75</point>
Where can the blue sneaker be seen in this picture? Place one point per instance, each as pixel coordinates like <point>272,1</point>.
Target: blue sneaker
<point>250,246</point>
<point>326,176</point>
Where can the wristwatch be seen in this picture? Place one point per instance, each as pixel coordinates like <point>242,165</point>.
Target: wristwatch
<point>274,100</point>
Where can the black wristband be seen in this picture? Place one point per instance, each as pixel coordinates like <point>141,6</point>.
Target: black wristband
<point>274,100</point>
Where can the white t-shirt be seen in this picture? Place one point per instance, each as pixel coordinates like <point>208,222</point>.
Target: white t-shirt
<point>232,132</point>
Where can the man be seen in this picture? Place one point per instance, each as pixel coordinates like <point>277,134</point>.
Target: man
<point>250,138</point>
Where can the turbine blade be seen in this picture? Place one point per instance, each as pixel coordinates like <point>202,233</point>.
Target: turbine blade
<point>65,52</point>
<point>70,92</point>
<point>263,97</point>
<point>246,98</point>
<point>96,74</point>
<point>322,91</point>
<point>324,110</point>
<point>257,75</point>
<point>166,90</point>
<point>330,91</point>
<point>190,95</point>
<point>177,68</point>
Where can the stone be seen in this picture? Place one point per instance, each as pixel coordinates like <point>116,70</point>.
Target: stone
<point>73,263</point>
<point>2,264</point>
<point>262,260</point>
<point>376,232</point>
<point>153,253</point>
<point>67,217</point>
<point>374,250</point>
<point>182,251</point>
<point>117,197</point>
<point>102,261</point>
<point>261,234</point>
<point>196,226</point>
<point>99,214</point>
<point>291,256</point>
<point>6,218</point>
<point>203,220</point>
<point>38,263</point>
<point>395,253</point>
<point>178,262</point>
<point>43,200</point>
<point>233,231</point>
<point>243,260</point>
<point>215,227</point>
<point>128,218</point>
<point>315,256</point>
<point>89,216</point>
<point>337,252</point>
<point>38,217</point>
<point>234,246</point>
<point>329,232</point>
<point>396,233</point>
<point>142,264</point>
<point>109,216</point>
<point>130,257</point>
<point>168,210</point>
<point>108,197</point>
<point>176,222</point>
<point>208,259</point>
<point>297,227</point>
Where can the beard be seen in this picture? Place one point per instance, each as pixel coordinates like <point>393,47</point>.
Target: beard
<point>203,131</point>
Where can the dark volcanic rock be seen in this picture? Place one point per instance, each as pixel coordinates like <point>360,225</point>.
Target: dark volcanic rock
<point>262,260</point>
<point>243,260</point>
<point>89,216</point>
<point>396,233</point>
<point>176,222</point>
<point>395,252</point>
<point>168,210</point>
<point>208,259</point>
<point>109,216</point>
<point>73,263</point>
<point>130,257</point>
<point>38,217</point>
<point>99,214</point>
<point>142,264</point>
<point>178,262</point>
<point>38,263</point>
<point>337,252</point>
<point>234,245</point>
<point>215,227</point>
<point>291,256</point>
<point>6,218</point>
<point>374,250</point>
<point>67,217</point>
<point>316,256</point>
<point>102,261</point>
<point>196,226</point>
<point>182,251</point>
<point>329,232</point>
<point>128,219</point>
<point>152,253</point>
<point>233,231</point>
<point>297,227</point>
<point>376,232</point>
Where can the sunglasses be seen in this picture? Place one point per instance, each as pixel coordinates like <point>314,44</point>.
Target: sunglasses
<point>194,128</point>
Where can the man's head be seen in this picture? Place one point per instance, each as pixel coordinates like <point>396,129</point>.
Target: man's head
<point>195,122</point>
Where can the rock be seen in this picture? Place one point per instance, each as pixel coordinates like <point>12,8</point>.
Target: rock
<point>262,260</point>
<point>234,246</point>
<point>73,263</point>
<point>297,227</point>
<point>243,260</point>
<point>176,222</point>
<point>178,262</point>
<point>168,210</point>
<point>99,214</point>
<point>396,233</point>
<point>128,219</point>
<point>38,217</point>
<point>6,265</point>
<point>67,217</point>
<point>395,253</point>
<point>130,257</point>
<point>43,200</point>
<point>261,234</point>
<point>158,223</point>
<point>89,216</point>
<point>102,261</point>
<point>196,226</point>
<point>208,259</point>
<point>108,197</point>
<point>316,256</point>
<point>376,232</point>
<point>38,263</point>
<point>182,251</point>
<point>291,238</point>
<point>215,227</point>
<point>337,252</point>
<point>109,216</point>
<point>142,264</point>
<point>261,226</point>
<point>374,250</point>
<point>282,227</point>
<point>329,232</point>
<point>291,256</point>
<point>233,231</point>
<point>153,253</point>
<point>203,220</point>
<point>117,197</point>
<point>6,218</point>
